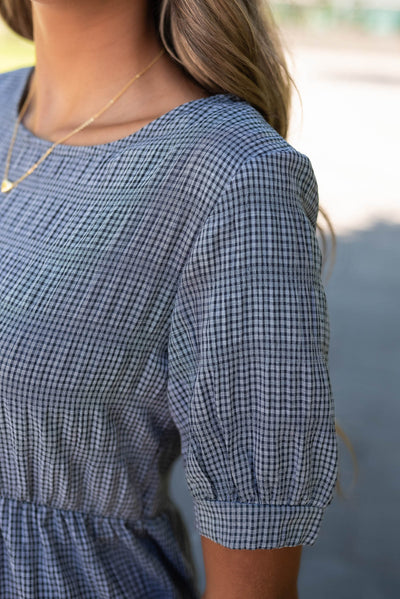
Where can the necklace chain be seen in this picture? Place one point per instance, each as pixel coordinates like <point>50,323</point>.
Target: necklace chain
<point>8,185</point>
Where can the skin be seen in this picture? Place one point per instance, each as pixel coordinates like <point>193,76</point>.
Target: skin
<point>250,573</point>
<point>86,51</point>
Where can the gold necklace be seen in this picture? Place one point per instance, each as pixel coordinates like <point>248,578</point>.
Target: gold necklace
<point>7,185</point>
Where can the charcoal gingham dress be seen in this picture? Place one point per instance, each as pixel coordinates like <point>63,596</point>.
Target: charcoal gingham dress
<point>159,294</point>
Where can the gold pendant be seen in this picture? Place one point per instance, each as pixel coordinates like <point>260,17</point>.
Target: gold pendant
<point>6,185</point>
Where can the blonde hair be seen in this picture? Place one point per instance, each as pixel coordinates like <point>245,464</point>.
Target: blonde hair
<point>225,46</point>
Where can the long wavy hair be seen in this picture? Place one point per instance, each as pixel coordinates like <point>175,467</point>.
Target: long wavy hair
<point>231,46</point>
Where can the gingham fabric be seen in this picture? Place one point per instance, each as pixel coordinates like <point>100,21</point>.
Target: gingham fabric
<point>159,294</point>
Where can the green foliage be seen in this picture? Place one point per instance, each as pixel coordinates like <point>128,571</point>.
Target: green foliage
<point>325,14</point>
<point>15,51</point>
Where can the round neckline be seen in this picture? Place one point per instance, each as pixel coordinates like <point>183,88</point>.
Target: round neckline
<point>156,125</point>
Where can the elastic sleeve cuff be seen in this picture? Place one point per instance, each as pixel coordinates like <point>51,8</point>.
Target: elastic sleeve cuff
<point>257,526</point>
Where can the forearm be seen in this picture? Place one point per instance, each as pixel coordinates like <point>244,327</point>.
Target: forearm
<point>253,574</point>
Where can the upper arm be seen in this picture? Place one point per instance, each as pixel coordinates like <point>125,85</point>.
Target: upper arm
<point>249,386</point>
<point>254,574</point>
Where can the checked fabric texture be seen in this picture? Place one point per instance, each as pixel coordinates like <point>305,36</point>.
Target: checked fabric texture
<point>160,295</point>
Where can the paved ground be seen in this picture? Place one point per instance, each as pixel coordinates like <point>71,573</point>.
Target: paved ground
<point>350,87</point>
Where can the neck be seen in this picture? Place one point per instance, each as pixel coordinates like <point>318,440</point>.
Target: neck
<point>86,51</point>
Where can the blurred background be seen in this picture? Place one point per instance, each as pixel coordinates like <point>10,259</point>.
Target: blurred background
<point>345,59</point>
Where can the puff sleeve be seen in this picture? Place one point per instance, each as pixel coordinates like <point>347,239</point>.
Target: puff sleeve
<point>248,379</point>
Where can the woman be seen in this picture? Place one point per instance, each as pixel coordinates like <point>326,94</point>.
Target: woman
<point>161,293</point>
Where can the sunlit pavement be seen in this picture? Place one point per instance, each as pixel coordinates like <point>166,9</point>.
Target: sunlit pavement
<point>350,88</point>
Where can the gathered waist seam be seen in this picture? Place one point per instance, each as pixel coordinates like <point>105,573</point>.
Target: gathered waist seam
<point>137,522</point>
